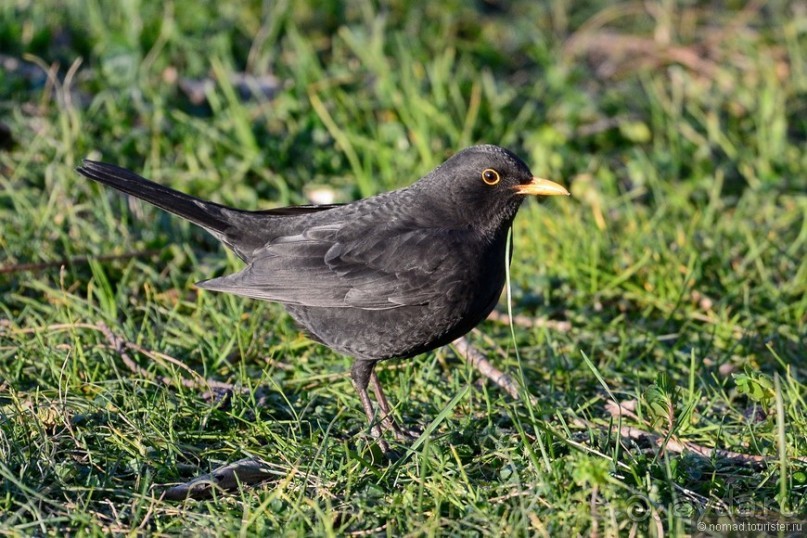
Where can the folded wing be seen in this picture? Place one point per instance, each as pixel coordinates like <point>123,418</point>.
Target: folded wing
<point>327,266</point>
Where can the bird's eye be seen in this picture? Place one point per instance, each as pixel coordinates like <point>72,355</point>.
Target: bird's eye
<point>490,176</point>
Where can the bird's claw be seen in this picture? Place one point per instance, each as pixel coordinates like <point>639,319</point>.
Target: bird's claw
<point>403,435</point>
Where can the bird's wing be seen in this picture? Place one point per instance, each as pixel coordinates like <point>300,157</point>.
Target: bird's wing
<point>295,210</point>
<point>326,267</point>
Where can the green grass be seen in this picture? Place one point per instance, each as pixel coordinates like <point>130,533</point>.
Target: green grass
<point>679,263</point>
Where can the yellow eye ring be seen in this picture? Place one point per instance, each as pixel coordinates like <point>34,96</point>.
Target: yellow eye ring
<point>490,176</point>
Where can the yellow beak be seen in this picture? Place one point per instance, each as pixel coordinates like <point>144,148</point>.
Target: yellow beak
<point>541,187</point>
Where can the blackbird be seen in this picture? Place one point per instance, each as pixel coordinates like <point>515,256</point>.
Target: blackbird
<point>390,276</point>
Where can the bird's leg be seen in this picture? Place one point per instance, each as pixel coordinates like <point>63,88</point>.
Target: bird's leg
<point>389,422</point>
<point>361,372</point>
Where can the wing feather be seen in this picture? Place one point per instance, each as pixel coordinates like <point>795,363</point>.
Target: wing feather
<point>324,266</point>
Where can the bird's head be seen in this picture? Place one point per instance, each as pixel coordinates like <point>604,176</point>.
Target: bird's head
<point>483,186</point>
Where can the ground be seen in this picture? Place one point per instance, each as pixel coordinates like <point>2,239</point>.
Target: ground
<point>658,314</point>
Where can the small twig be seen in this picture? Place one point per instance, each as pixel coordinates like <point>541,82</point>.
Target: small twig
<point>627,409</point>
<point>199,382</point>
<point>469,354</point>
<point>369,532</point>
<point>245,472</point>
<point>622,409</point>
<point>679,447</point>
<point>7,325</point>
<point>521,320</point>
<point>219,391</point>
<point>119,345</point>
<point>79,260</point>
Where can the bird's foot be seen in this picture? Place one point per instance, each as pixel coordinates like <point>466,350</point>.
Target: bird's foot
<point>378,436</point>
<point>383,445</point>
<point>404,435</point>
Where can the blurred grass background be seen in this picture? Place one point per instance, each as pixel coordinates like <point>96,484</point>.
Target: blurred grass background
<point>667,295</point>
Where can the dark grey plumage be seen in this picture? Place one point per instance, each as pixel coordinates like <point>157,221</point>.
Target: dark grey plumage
<point>393,275</point>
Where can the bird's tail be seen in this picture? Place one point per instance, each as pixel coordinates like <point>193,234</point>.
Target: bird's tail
<point>208,215</point>
<point>225,223</point>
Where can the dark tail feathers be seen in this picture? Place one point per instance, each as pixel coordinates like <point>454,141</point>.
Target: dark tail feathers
<point>208,215</point>
<point>228,225</point>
